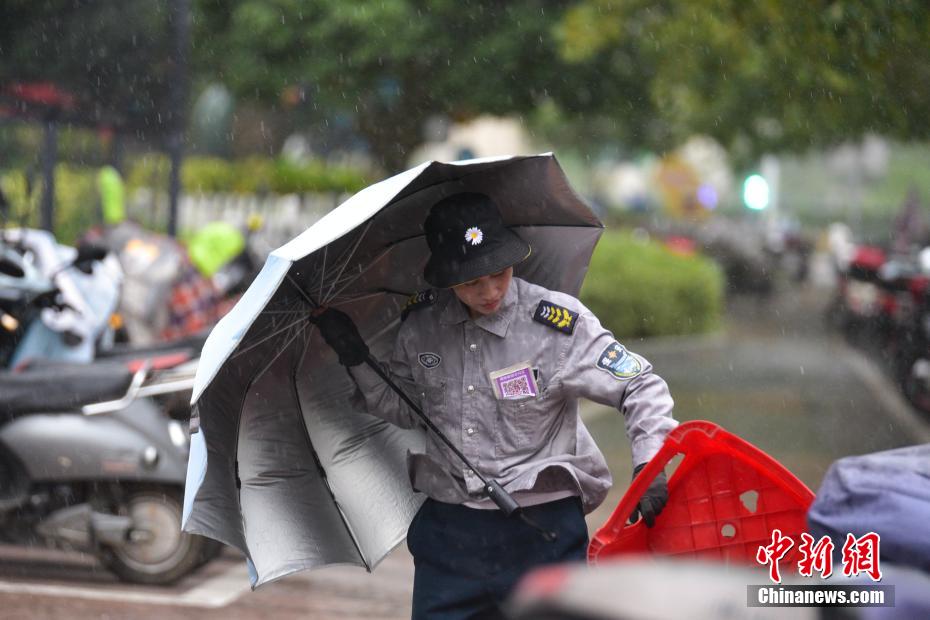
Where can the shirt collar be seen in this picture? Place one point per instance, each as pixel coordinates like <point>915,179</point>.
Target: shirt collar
<point>455,312</point>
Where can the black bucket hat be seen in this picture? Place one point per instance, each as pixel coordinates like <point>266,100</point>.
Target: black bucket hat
<point>467,239</point>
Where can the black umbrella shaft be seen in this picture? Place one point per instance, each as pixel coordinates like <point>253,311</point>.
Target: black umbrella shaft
<point>494,490</point>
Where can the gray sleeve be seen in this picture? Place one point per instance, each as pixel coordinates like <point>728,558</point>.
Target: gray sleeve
<point>377,398</point>
<point>597,367</point>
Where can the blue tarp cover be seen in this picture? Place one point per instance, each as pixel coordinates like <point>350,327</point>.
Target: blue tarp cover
<point>884,492</point>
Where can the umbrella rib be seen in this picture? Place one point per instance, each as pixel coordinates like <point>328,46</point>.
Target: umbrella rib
<point>302,292</point>
<point>303,354</point>
<point>347,252</point>
<point>323,271</point>
<point>278,354</point>
<point>349,257</point>
<point>345,279</point>
<point>268,337</point>
<point>336,300</point>
<point>353,278</point>
<point>295,308</point>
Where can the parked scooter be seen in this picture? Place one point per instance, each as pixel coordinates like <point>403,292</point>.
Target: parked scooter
<point>92,455</point>
<point>166,296</point>
<point>88,461</point>
<point>56,301</point>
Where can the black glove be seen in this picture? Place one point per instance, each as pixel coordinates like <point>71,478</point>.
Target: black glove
<point>653,500</point>
<point>340,332</point>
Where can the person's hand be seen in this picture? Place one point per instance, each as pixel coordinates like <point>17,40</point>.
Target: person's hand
<point>653,500</point>
<point>339,331</point>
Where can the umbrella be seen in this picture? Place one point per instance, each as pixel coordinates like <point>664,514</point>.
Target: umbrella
<point>284,465</point>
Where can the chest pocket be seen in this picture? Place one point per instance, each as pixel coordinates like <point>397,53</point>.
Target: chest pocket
<point>524,425</point>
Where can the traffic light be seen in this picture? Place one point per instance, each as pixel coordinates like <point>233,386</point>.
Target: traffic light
<point>756,192</point>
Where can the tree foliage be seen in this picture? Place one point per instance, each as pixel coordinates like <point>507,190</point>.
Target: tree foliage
<point>112,58</point>
<point>387,66</point>
<point>768,75</point>
<point>758,76</point>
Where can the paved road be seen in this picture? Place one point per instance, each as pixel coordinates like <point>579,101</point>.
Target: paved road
<point>774,376</point>
<point>779,379</point>
<point>44,585</point>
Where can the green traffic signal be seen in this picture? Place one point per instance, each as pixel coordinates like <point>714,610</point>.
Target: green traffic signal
<point>756,192</point>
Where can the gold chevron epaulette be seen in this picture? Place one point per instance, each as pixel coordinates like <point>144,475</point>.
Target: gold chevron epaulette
<point>555,316</point>
<point>417,301</point>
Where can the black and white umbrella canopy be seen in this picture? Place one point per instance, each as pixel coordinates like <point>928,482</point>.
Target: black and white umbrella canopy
<point>284,465</point>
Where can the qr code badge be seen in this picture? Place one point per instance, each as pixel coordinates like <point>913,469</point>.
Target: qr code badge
<point>516,387</point>
<point>514,382</point>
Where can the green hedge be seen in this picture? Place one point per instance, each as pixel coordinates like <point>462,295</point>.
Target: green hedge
<point>77,200</point>
<point>247,176</point>
<point>639,288</point>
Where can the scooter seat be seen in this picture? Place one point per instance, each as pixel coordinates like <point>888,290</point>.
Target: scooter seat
<point>192,344</point>
<point>61,387</point>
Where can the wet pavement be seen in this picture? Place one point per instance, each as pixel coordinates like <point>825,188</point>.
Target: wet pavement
<point>779,378</point>
<point>774,376</point>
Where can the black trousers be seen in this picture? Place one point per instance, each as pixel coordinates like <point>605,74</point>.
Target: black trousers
<point>468,560</point>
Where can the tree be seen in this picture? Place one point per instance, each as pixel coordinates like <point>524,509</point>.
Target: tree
<point>758,76</point>
<point>388,66</point>
<point>768,75</point>
<point>112,58</point>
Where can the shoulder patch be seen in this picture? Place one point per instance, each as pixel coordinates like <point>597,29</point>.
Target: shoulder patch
<point>557,317</point>
<point>418,301</point>
<point>619,362</point>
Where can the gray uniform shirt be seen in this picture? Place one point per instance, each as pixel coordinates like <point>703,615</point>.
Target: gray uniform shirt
<point>533,446</point>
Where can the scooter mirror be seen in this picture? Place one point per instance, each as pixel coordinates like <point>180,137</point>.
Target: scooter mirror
<point>87,255</point>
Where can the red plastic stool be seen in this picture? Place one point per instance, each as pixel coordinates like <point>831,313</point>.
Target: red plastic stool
<point>725,498</point>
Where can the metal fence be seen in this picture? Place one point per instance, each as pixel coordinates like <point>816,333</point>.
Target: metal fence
<point>283,216</point>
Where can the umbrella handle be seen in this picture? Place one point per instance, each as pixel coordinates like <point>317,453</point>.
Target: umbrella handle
<point>374,365</point>
<point>501,498</point>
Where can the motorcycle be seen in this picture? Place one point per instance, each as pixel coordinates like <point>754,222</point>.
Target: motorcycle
<point>90,462</point>
<point>912,358</point>
<point>884,302</point>
<point>856,308</point>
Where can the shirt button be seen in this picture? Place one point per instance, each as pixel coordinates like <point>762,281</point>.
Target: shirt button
<point>472,347</point>
<point>471,388</point>
<point>470,431</point>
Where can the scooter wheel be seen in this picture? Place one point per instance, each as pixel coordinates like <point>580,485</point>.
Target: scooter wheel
<point>157,552</point>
